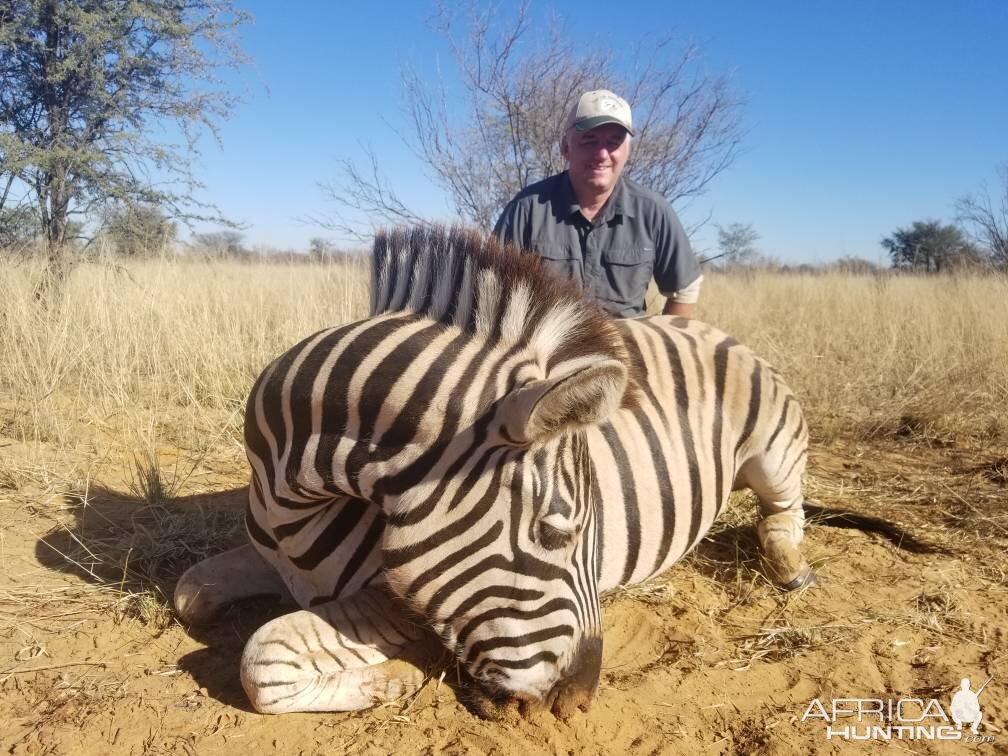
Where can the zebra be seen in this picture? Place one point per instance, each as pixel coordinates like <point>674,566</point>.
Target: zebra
<point>477,461</point>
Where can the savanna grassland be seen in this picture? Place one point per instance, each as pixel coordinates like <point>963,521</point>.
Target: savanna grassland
<point>121,464</point>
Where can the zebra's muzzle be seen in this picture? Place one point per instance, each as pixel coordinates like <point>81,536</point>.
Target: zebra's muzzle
<point>574,691</point>
<point>577,688</point>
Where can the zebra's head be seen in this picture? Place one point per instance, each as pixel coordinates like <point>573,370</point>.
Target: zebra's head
<point>497,547</point>
<point>488,491</point>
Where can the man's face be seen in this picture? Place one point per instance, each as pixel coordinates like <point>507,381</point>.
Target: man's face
<point>595,158</point>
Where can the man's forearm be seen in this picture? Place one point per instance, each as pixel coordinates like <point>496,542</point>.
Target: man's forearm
<point>682,301</point>
<point>681,309</point>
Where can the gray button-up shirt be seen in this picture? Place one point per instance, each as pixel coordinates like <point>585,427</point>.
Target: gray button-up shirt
<point>636,236</point>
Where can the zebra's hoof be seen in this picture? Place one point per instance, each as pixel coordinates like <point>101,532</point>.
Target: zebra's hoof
<point>805,579</point>
<point>193,599</point>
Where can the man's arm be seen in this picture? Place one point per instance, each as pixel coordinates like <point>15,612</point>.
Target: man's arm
<point>675,264</point>
<point>510,226</point>
<point>683,302</point>
<point>681,309</point>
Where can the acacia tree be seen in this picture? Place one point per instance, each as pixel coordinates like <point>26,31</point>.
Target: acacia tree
<point>139,231</point>
<point>502,130</point>
<point>930,247</point>
<point>737,243</point>
<point>986,219</point>
<point>220,244</point>
<point>87,87</point>
<point>18,228</point>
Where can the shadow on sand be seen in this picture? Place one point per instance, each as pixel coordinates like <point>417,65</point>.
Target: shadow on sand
<point>724,552</point>
<point>138,549</point>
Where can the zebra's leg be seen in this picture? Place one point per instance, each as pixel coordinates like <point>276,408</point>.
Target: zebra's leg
<point>780,533</point>
<point>338,656</point>
<point>777,484</point>
<point>208,587</point>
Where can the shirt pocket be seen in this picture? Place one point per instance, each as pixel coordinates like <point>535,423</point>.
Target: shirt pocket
<point>562,261</point>
<point>628,272</point>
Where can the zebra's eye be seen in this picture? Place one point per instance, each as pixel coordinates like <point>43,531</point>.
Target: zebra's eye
<point>555,532</point>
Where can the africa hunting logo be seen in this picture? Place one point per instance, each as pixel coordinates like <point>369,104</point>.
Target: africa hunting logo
<point>903,718</point>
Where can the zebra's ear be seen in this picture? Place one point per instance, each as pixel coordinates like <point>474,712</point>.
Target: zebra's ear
<point>585,395</point>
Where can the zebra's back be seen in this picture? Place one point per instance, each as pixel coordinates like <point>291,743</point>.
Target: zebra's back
<point>665,467</point>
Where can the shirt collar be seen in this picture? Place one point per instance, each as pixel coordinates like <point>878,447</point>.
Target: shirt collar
<point>619,201</point>
<point>617,204</point>
<point>567,200</point>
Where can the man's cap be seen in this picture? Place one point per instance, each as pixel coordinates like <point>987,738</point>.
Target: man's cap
<point>598,107</point>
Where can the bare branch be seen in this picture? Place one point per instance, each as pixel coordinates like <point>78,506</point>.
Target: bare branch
<point>368,198</point>
<point>985,219</point>
<point>517,83</point>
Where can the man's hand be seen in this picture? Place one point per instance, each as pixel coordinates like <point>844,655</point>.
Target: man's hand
<point>678,308</point>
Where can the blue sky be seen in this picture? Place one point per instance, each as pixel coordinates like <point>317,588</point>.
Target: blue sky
<point>860,116</point>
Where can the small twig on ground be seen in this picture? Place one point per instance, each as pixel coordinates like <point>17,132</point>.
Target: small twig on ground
<point>47,667</point>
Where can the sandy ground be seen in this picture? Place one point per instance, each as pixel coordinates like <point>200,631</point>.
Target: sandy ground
<point>707,658</point>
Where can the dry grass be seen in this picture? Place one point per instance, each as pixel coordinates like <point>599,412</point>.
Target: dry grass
<point>878,356</point>
<point>167,350</point>
<point>784,641</point>
<point>155,357</point>
<point>139,546</point>
<point>156,343</point>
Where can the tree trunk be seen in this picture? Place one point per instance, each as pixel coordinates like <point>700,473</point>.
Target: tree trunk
<point>53,194</point>
<point>51,285</point>
<point>58,263</point>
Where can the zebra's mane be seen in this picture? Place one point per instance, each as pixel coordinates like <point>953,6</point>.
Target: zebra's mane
<point>463,278</point>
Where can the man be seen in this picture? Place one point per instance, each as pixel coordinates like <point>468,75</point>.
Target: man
<point>608,233</point>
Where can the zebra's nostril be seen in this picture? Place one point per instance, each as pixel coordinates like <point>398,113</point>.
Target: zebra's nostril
<point>578,686</point>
